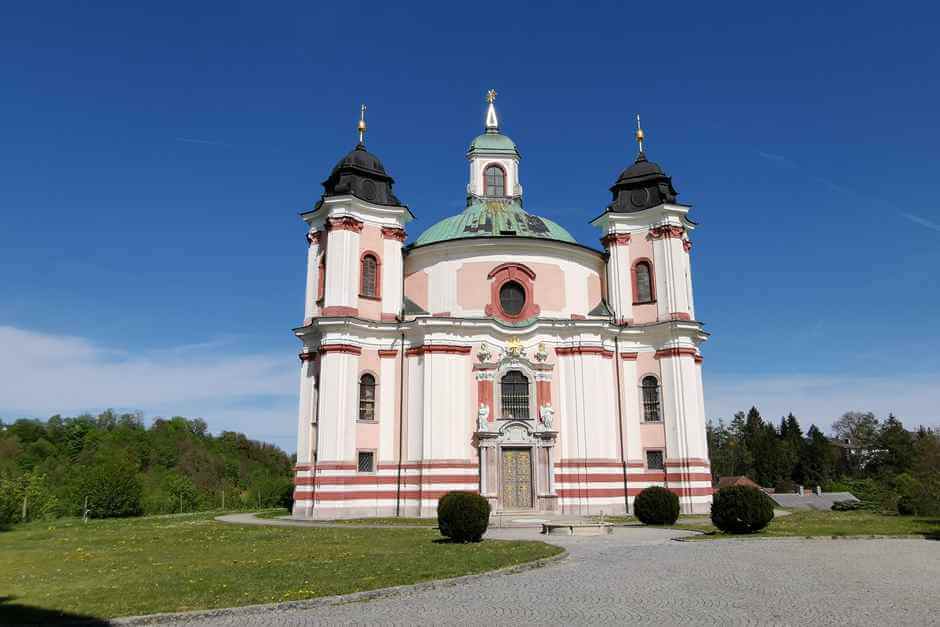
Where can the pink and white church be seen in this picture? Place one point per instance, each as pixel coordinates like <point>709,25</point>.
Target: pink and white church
<point>494,353</point>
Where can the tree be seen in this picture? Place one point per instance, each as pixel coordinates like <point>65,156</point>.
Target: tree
<point>816,457</point>
<point>113,490</point>
<point>894,448</point>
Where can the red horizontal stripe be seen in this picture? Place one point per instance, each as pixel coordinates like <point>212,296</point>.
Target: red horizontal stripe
<point>601,463</point>
<point>646,476</point>
<point>588,493</point>
<point>371,494</point>
<point>388,480</point>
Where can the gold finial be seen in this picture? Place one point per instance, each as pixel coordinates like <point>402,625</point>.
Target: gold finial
<point>639,133</point>
<point>491,96</point>
<point>362,122</point>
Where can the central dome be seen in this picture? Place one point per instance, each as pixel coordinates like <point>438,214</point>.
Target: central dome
<point>494,218</point>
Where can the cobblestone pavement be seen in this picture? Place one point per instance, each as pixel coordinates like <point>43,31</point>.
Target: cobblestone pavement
<point>640,576</point>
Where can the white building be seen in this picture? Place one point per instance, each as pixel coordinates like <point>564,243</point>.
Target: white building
<point>495,353</point>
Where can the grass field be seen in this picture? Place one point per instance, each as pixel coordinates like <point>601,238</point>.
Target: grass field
<point>112,568</point>
<point>810,523</point>
<point>390,521</point>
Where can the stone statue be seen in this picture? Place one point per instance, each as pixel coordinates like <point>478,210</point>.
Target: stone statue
<point>482,415</point>
<point>547,415</point>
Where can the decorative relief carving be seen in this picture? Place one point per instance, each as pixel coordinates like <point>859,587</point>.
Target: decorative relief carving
<point>394,233</point>
<point>667,231</point>
<point>484,353</point>
<point>687,245</point>
<point>345,224</point>
<point>541,353</point>
<point>615,239</point>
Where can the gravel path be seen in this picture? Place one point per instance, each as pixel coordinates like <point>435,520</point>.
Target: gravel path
<point>639,575</point>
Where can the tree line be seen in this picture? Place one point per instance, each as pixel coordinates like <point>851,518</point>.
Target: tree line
<point>879,461</point>
<point>114,465</point>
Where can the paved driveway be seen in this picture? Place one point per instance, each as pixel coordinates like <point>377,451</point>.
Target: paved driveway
<point>640,576</point>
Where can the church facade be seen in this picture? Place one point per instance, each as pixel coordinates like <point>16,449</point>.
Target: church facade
<point>495,353</point>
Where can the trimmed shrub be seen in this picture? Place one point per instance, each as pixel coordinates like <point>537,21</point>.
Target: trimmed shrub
<point>741,509</point>
<point>656,506</point>
<point>463,516</point>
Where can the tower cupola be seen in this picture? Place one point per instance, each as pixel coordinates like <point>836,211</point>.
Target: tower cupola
<point>642,185</point>
<point>494,160</point>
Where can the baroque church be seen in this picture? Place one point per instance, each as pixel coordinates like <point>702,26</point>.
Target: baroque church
<point>495,353</point>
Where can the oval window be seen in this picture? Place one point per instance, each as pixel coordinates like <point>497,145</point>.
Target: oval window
<point>512,298</point>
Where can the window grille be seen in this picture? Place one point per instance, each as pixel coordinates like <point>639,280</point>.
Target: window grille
<point>495,181</point>
<point>369,275</point>
<point>654,460</point>
<point>366,461</point>
<point>644,283</point>
<point>651,411</point>
<point>367,397</point>
<point>514,388</point>
<point>512,298</point>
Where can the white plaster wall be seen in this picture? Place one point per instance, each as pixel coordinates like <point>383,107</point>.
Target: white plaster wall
<point>392,275</point>
<point>619,282</point>
<point>342,269</point>
<point>447,424</point>
<point>313,271</point>
<point>338,407</point>
<point>683,410</point>
<point>386,409</point>
<point>631,409</point>
<point>415,408</point>
<point>306,412</point>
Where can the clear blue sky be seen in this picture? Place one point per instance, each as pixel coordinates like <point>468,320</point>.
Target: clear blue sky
<point>153,162</point>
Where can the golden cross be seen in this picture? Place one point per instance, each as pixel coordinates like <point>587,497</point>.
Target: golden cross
<point>639,132</point>
<point>491,96</point>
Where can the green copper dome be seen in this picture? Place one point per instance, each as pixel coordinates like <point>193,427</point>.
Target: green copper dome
<point>493,142</point>
<point>494,218</point>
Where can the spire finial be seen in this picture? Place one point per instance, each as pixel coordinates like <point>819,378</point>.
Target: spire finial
<point>639,133</point>
<point>492,123</point>
<point>362,122</point>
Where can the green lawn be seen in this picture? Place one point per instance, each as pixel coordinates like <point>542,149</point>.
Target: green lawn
<point>809,523</point>
<point>115,568</point>
<point>391,521</point>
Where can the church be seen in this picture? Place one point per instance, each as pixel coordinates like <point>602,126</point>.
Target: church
<point>495,353</point>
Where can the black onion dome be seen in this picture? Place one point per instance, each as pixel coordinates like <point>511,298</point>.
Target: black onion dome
<point>361,174</point>
<point>641,186</point>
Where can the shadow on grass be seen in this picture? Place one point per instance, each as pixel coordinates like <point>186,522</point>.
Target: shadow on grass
<point>932,532</point>
<point>16,614</point>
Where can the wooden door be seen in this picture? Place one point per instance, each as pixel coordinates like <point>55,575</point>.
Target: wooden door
<point>516,478</point>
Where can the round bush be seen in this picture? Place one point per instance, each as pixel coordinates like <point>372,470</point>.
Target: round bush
<point>741,509</point>
<point>656,506</point>
<point>906,506</point>
<point>463,516</point>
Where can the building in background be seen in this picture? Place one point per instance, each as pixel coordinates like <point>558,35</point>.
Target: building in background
<point>495,353</point>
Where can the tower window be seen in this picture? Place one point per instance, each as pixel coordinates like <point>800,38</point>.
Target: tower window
<point>651,410</point>
<point>643,283</point>
<point>495,181</point>
<point>367,397</point>
<point>514,389</point>
<point>369,280</point>
<point>512,298</point>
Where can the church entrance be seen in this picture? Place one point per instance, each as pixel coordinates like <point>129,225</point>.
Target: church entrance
<point>516,490</point>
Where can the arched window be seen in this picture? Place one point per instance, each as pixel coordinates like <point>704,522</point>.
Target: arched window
<point>651,412</point>
<point>514,390</point>
<point>367,397</point>
<point>511,298</point>
<point>643,282</point>
<point>494,180</point>
<point>369,281</point>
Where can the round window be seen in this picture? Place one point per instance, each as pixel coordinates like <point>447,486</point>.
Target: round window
<point>512,298</point>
